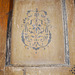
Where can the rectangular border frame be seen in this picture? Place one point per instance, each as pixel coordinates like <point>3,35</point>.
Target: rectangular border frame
<point>66,42</point>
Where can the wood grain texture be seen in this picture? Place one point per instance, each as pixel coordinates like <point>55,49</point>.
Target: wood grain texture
<point>13,71</point>
<point>70,6</point>
<point>39,71</point>
<point>3,27</point>
<point>5,7</point>
<point>4,13</point>
<point>1,72</point>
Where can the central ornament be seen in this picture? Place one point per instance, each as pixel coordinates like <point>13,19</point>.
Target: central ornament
<point>36,34</point>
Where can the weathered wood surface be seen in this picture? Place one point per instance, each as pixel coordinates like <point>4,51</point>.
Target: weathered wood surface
<point>4,8</point>
<point>39,71</point>
<point>70,9</point>
<point>70,6</point>
<point>4,12</point>
<point>53,53</point>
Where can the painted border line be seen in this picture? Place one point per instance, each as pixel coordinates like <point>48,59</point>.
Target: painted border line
<point>65,27</point>
<point>66,43</point>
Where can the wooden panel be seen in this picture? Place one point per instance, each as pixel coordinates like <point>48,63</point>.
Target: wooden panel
<point>48,71</point>
<point>57,70</point>
<point>40,70</point>
<point>36,48</point>
<point>71,29</point>
<point>1,72</point>
<point>4,8</point>
<point>13,71</point>
<point>4,12</point>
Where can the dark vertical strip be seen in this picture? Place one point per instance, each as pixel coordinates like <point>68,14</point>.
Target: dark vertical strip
<point>65,25</point>
<point>8,41</point>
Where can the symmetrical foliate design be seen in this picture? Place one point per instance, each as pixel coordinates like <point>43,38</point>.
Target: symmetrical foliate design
<point>36,33</point>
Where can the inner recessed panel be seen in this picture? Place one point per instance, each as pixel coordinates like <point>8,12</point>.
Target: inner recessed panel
<point>37,33</point>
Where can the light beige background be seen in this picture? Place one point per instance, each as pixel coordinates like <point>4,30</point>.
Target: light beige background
<point>54,52</point>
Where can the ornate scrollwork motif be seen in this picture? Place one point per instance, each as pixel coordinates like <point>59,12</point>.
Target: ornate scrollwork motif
<point>36,33</point>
